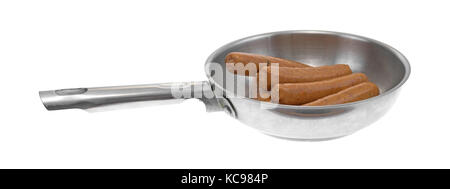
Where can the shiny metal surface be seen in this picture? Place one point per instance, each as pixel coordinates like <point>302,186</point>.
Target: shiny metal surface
<point>98,97</point>
<point>384,66</point>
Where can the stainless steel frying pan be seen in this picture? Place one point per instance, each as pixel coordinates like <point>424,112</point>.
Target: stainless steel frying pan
<point>384,65</point>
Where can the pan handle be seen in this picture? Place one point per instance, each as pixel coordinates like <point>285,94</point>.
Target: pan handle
<point>164,93</point>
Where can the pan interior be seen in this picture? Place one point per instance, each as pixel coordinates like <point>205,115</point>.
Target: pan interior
<point>382,64</point>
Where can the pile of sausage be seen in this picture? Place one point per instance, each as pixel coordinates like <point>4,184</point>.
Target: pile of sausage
<point>301,84</point>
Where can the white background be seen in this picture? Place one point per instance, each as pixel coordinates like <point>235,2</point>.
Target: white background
<point>62,44</point>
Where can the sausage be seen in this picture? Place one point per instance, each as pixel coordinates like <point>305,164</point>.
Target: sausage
<point>301,93</point>
<point>239,57</point>
<point>265,93</point>
<point>355,93</point>
<point>302,75</point>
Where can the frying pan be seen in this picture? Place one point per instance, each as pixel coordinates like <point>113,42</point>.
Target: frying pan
<point>384,65</point>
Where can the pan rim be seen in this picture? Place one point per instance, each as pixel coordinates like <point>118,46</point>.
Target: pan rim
<point>397,53</point>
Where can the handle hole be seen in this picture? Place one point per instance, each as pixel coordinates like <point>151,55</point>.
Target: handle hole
<point>73,91</point>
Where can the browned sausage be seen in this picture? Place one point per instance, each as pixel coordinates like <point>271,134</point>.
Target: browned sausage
<point>245,58</point>
<point>302,75</point>
<point>301,93</point>
<point>352,94</point>
<point>265,94</point>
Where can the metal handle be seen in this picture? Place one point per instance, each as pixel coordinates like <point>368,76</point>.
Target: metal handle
<point>85,98</point>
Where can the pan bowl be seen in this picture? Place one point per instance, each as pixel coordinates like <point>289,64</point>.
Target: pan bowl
<point>383,65</point>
